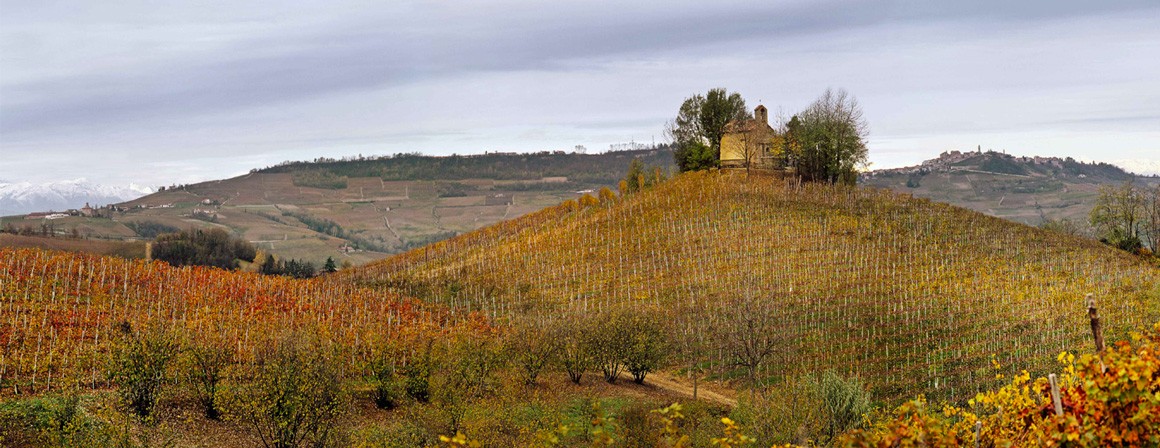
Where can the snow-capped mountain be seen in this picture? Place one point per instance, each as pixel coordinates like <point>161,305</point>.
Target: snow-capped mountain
<point>25,197</point>
<point>1142,167</point>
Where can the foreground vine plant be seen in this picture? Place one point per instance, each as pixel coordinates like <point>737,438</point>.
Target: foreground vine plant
<point>1116,406</point>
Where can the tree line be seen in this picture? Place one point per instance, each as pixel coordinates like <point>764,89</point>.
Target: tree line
<point>217,248</point>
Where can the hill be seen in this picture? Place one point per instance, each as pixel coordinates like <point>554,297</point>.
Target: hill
<point>1029,190</point>
<point>911,295</point>
<point>363,209</point>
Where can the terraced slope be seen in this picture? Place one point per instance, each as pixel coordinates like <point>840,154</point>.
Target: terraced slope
<point>911,295</point>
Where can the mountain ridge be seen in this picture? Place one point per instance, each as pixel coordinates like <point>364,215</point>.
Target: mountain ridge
<point>27,197</point>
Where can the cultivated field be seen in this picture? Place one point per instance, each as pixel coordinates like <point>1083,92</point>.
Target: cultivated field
<point>912,296</point>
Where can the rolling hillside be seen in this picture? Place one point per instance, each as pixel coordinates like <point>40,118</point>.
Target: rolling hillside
<point>911,295</point>
<point>363,209</point>
<point>1029,190</point>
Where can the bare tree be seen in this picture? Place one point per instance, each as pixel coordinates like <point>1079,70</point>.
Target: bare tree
<point>831,136</point>
<point>1117,215</point>
<point>749,331</point>
<point>1150,216</point>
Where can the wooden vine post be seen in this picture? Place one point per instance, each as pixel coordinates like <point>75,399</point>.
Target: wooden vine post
<point>1097,330</point>
<point>1055,399</point>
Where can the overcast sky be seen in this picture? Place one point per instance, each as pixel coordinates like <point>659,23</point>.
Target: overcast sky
<point>151,93</point>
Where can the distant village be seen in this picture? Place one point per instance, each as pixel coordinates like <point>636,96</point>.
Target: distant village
<point>956,161</point>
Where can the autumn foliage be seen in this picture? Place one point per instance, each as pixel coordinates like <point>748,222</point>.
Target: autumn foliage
<point>1113,400</point>
<point>61,315</point>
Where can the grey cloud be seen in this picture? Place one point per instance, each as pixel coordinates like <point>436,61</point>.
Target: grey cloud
<point>417,41</point>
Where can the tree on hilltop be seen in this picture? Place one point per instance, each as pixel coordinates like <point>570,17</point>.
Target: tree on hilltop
<point>827,140</point>
<point>696,132</point>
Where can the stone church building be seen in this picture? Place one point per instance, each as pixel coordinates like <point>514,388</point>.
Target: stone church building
<point>753,139</point>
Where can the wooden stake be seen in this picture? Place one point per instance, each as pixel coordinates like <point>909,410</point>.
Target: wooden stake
<point>978,432</point>
<point>1097,332</point>
<point>1055,394</point>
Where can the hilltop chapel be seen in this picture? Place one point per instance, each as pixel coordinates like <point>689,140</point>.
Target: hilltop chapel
<point>753,140</point>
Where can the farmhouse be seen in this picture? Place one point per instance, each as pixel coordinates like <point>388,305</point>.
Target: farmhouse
<point>752,143</point>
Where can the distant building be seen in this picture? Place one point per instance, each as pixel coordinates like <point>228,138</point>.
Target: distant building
<point>87,210</point>
<point>498,199</point>
<point>752,139</point>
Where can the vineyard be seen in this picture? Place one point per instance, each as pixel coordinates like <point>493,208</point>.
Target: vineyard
<point>910,295</point>
<point>59,312</point>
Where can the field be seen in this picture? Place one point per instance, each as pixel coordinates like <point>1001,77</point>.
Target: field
<point>124,249</point>
<point>911,295</point>
<point>62,311</point>
<point>306,211</point>
<point>65,317</point>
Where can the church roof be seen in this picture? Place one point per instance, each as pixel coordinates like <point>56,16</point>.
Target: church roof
<point>746,125</point>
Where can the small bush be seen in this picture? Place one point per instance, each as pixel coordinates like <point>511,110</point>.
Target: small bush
<point>844,402</point>
<point>49,421</point>
<point>206,369</point>
<point>531,347</point>
<point>646,348</point>
<point>140,366</point>
<point>418,361</point>
<point>382,372</point>
<point>789,412</point>
<point>473,362</point>
<point>296,396</point>
<point>574,356</point>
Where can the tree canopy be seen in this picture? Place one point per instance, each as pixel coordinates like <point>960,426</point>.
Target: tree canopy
<point>696,132</point>
<point>1128,216</point>
<point>212,247</point>
<point>827,140</point>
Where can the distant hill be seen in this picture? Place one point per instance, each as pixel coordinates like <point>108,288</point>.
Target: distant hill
<point>1023,189</point>
<point>363,209</point>
<point>911,295</point>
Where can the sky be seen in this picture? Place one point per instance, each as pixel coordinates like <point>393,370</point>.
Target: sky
<point>157,93</point>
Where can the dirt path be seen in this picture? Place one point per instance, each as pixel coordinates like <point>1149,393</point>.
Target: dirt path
<point>676,385</point>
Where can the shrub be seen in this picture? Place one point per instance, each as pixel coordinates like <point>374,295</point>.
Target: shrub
<point>207,364</point>
<point>574,356</point>
<point>383,375</point>
<point>645,350</point>
<point>140,365</point>
<point>789,412</point>
<point>844,402</point>
<point>608,340</point>
<point>472,363</point>
<point>49,421</point>
<point>415,367</point>
<point>531,347</point>
<point>295,397</point>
